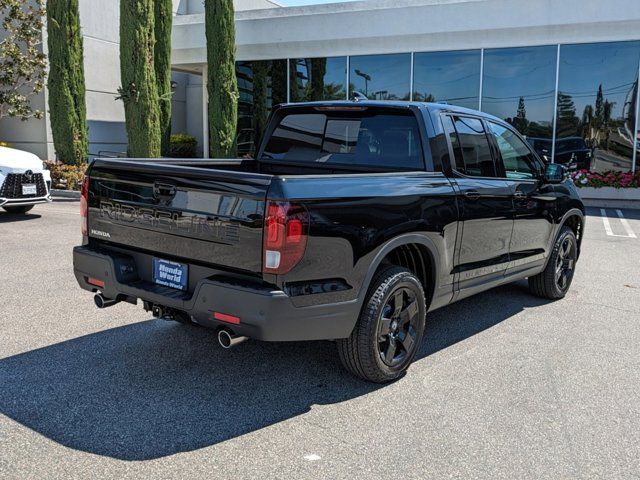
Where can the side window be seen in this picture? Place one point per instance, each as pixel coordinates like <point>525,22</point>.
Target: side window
<point>518,160</point>
<point>473,156</point>
<point>450,131</point>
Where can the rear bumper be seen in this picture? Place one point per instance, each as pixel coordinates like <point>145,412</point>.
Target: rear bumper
<point>265,314</point>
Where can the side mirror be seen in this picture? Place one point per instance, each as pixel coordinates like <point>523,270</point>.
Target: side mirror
<point>554,173</point>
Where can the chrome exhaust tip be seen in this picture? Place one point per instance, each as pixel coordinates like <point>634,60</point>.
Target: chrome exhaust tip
<point>103,302</point>
<point>228,339</point>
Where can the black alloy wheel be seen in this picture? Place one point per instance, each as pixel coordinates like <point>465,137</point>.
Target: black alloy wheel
<point>565,263</point>
<point>398,326</point>
<point>388,333</point>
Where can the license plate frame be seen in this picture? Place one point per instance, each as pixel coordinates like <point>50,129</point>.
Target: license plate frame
<point>29,189</point>
<point>170,274</point>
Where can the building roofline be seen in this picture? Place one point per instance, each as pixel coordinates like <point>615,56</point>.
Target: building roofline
<point>342,7</point>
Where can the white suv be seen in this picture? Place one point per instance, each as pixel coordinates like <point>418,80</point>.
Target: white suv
<point>24,181</point>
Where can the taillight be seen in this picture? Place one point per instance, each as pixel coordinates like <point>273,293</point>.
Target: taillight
<point>84,204</point>
<point>286,227</point>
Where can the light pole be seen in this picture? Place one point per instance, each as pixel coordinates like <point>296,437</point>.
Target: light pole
<point>366,81</point>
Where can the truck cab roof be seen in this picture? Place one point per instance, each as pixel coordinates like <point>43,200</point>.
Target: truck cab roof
<point>432,107</point>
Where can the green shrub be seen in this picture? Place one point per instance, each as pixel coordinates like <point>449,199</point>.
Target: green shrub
<point>66,177</point>
<point>183,146</point>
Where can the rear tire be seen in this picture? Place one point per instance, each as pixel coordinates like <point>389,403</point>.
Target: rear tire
<point>18,209</point>
<point>554,281</point>
<point>390,328</point>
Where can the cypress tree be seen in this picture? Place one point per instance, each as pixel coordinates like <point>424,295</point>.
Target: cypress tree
<point>222,82</point>
<point>162,62</point>
<point>66,81</point>
<point>139,90</point>
<point>318,71</point>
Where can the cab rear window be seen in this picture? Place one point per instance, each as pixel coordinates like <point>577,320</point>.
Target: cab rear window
<point>348,139</point>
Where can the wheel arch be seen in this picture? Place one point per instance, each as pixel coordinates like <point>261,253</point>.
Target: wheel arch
<point>415,252</point>
<point>575,220</point>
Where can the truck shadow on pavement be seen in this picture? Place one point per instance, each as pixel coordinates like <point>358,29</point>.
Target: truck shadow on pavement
<point>153,389</point>
<point>6,217</point>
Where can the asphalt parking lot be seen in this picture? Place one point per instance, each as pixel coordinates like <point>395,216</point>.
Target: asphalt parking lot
<point>506,385</point>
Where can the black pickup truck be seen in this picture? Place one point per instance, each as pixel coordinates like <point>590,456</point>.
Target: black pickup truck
<point>354,221</point>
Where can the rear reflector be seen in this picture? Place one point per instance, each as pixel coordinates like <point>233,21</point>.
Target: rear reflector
<point>223,317</point>
<point>95,282</point>
<point>84,205</point>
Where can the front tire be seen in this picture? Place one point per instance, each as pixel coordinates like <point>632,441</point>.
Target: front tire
<point>390,328</point>
<point>18,209</point>
<point>554,281</point>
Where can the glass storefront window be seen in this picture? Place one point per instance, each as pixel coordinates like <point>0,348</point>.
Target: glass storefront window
<point>381,77</point>
<point>451,77</point>
<point>637,165</point>
<point>596,105</point>
<point>315,79</point>
<point>519,86</point>
<point>261,85</point>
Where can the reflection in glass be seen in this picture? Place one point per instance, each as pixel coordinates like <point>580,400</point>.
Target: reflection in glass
<point>519,87</point>
<point>451,77</point>
<point>261,85</point>
<point>381,77</point>
<point>596,105</point>
<point>315,79</point>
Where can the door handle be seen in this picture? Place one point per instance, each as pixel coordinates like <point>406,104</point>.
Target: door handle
<point>472,194</point>
<point>518,194</point>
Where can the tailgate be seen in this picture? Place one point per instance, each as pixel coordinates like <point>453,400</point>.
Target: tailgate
<point>197,214</point>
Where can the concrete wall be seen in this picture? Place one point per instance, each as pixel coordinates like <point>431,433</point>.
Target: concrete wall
<point>194,109</point>
<point>197,6</point>
<point>391,26</point>
<point>100,23</point>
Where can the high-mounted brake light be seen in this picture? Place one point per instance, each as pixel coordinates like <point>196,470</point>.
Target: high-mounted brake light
<point>84,205</point>
<point>286,227</point>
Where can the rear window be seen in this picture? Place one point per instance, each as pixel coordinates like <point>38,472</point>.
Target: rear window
<point>348,139</point>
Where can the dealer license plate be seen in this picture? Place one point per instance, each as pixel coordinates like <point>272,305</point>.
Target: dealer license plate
<point>170,274</point>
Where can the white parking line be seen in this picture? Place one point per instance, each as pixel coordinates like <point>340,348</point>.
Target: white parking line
<point>623,221</point>
<point>626,225</point>
<point>607,225</point>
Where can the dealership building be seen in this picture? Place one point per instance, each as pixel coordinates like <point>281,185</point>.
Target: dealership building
<point>564,73</point>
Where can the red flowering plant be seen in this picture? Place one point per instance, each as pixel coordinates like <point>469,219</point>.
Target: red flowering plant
<point>583,178</point>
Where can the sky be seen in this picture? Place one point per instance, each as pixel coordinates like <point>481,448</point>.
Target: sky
<point>291,3</point>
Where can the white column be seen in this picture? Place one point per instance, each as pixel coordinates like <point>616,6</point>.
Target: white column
<point>481,86</point>
<point>205,113</point>
<point>411,78</point>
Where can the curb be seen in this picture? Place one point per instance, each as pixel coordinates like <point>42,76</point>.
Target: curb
<point>604,203</point>
<point>65,194</point>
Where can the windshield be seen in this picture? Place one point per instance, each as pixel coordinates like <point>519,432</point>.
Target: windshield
<point>348,138</point>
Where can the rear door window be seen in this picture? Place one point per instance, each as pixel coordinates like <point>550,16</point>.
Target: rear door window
<point>363,138</point>
<point>474,149</point>
<point>471,149</point>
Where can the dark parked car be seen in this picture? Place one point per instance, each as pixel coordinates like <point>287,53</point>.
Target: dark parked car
<point>571,152</point>
<point>354,221</point>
